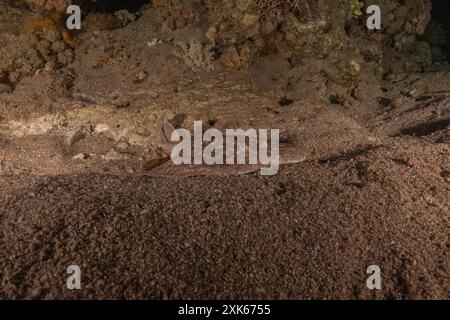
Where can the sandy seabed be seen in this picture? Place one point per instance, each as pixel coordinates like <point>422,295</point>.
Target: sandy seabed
<point>78,184</point>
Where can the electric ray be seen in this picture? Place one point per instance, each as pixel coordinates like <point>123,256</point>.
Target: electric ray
<point>163,166</point>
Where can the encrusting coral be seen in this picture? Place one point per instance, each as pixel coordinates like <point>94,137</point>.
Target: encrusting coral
<point>51,22</point>
<point>197,57</point>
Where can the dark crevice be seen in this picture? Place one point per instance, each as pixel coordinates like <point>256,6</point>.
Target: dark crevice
<point>112,6</point>
<point>426,129</point>
<point>438,31</point>
<point>284,101</point>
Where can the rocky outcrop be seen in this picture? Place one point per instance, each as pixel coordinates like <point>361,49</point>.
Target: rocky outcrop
<point>329,36</point>
<point>48,5</point>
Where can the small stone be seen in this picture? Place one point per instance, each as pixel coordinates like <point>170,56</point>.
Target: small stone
<point>141,76</point>
<point>123,146</point>
<point>231,58</point>
<point>58,46</point>
<point>49,66</point>
<point>250,20</point>
<point>113,155</point>
<point>36,293</point>
<point>290,37</point>
<point>269,27</point>
<point>121,103</point>
<point>251,25</point>
<point>52,35</point>
<point>101,127</point>
<point>243,5</point>
<point>82,156</point>
<point>355,65</point>
<point>430,200</point>
<point>65,57</point>
<point>153,42</point>
<point>211,34</point>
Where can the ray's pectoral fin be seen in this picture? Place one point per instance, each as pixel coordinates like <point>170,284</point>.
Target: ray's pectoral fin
<point>290,154</point>
<point>164,134</point>
<point>167,130</point>
<point>163,145</point>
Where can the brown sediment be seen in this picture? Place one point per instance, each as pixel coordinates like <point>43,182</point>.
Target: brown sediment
<point>85,177</point>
